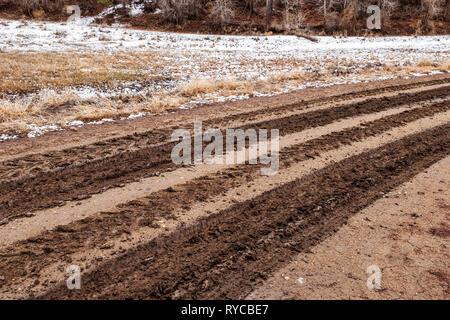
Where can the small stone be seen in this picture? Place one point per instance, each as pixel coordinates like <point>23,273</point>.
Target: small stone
<point>29,214</point>
<point>4,221</point>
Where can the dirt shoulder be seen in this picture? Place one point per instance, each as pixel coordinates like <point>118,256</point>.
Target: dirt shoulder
<point>89,134</point>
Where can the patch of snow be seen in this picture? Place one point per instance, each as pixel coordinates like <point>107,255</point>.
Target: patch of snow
<point>5,137</point>
<point>138,115</point>
<point>76,123</point>
<point>36,131</point>
<point>101,121</point>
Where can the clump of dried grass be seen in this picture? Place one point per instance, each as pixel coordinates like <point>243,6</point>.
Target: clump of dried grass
<point>287,76</point>
<point>422,67</point>
<point>53,108</point>
<point>36,71</point>
<point>203,86</point>
<point>445,66</point>
<point>198,86</point>
<point>425,63</point>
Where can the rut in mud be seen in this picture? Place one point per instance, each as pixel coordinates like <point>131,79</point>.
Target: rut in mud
<point>230,252</point>
<point>52,188</point>
<point>220,233</point>
<point>54,245</point>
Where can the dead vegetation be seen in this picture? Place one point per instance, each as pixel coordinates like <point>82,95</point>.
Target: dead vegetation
<point>204,86</point>
<point>33,72</point>
<point>45,87</point>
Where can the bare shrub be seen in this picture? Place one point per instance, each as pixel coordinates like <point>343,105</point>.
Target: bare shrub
<point>348,17</point>
<point>223,11</point>
<point>436,8</point>
<point>49,6</point>
<point>293,15</point>
<point>177,11</point>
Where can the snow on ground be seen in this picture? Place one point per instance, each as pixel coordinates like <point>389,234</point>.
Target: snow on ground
<point>45,36</point>
<point>228,52</point>
<point>242,57</point>
<point>239,57</point>
<point>134,9</point>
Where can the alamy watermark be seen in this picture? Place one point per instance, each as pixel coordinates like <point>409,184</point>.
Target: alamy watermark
<point>374,21</point>
<point>374,280</point>
<point>73,282</point>
<point>75,12</point>
<point>235,141</point>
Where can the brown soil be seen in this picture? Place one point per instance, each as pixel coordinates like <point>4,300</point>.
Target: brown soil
<point>218,232</point>
<point>231,252</point>
<point>90,134</point>
<point>32,186</point>
<point>396,233</point>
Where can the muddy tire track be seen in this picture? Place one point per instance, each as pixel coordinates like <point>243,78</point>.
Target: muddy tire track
<point>102,149</point>
<point>29,257</point>
<point>228,253</point>
<point>80,180</point>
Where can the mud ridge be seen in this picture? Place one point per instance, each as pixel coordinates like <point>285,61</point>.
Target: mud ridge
<point>229,253</point>
<point>30,256</point>
<point>32,164</point>
<point>79,180</point>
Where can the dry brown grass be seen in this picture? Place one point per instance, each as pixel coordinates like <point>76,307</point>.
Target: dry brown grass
<point>422,67</point>
<point>287,76</point>
<point>445,66</point>
<point>28,72</point>
<point>54,75</point>
<point>425,63</point>
<point>23,108</point>
<point>227,87</point>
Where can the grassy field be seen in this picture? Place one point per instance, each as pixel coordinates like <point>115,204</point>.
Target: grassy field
<point>65,73</point>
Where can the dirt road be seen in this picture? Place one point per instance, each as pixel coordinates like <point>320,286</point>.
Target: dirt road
<point>140,226</point>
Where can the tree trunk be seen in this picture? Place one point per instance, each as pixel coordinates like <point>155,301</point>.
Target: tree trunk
<point>251,7</point>
<point>268,12</point>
